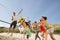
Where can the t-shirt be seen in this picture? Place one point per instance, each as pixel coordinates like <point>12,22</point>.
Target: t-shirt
<point>36,29</point>
<point>20,27</point>
<point>28,31</point>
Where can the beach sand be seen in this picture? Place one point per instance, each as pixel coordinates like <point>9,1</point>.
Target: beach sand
<point>17,36</point>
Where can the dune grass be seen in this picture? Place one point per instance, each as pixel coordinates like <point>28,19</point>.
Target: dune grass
<point>56,29</point>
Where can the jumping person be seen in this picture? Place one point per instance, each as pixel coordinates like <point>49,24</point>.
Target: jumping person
<point>36,30</point>
<point>48,27</point>
<point>14,22</point>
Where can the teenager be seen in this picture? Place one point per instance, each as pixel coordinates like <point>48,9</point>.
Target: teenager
<point>49,28</point>
<point>28,21</point>
<point>26,30</point>
<point>36,30</point>
<point>21,28</point>
<point>42,29</point>
<point>14,22</point>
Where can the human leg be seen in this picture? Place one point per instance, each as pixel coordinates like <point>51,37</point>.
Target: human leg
<point>9,30</point>
<point>51,34</point>
<point>14,26</point>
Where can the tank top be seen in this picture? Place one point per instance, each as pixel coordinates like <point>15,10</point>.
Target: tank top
<point>14,18</point>
<point>42,29</point>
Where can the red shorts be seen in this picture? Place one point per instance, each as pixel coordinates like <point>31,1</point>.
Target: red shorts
<point>42,28</point>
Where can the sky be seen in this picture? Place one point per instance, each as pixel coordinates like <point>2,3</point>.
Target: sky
<point>33,9</point>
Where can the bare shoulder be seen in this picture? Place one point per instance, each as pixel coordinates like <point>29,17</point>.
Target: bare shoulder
<point>46,23</point>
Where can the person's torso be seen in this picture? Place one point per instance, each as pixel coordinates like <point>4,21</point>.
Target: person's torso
<point>28,31</point>
<point>14,18</point>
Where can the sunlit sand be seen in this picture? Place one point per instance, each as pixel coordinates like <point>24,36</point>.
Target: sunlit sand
<point>17,36</point>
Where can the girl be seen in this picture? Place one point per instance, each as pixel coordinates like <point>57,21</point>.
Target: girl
<point>26,30</point>
<point>42,29</point>
<point>21,28</point>
<point>48,27</point>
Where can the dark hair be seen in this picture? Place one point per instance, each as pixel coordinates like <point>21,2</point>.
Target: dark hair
<point>35,22</point>
<point>45,18</point>
<point>40,20</point>
<point>27,23</point>
<point>14,13</point>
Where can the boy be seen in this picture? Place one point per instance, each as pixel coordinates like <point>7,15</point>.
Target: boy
<point>36,29</point>
<point>14,22</point>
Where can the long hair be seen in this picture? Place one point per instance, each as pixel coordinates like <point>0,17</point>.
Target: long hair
<point>28,24</point>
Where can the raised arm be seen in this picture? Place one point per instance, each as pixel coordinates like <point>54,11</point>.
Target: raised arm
<point>19,12</point>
